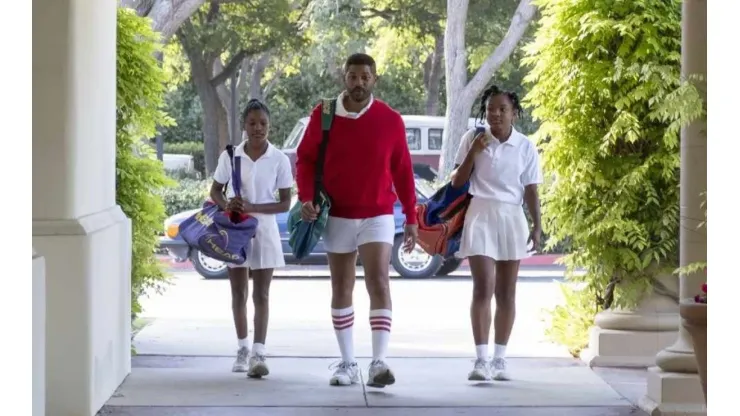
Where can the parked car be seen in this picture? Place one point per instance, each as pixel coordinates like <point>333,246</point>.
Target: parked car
<point>414,265</point>
<point>423,136</point>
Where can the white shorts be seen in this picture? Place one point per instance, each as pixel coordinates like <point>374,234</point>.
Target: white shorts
<point>266,250</point>
<point>344,235</point>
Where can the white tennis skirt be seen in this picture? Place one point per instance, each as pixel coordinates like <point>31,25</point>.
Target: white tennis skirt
<point>494,229</point>
<point>266,250</point>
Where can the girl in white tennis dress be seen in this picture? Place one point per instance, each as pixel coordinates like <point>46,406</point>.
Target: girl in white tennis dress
<point>265,171</point>
<point>503,168</point>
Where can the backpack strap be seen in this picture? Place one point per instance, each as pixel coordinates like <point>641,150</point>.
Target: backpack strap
<point>328,110</point>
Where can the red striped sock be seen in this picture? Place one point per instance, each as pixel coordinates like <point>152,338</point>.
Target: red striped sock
<point>343,321</point>
<point>380,324</point>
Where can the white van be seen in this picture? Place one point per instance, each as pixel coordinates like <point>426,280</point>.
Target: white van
<point>423,135</point>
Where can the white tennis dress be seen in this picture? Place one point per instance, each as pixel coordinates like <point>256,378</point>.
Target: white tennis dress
<point>260,181</point>
<point>495,224</point>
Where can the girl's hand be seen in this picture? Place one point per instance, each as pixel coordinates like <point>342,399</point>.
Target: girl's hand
<point>480,143</point>
<point>235,205</point>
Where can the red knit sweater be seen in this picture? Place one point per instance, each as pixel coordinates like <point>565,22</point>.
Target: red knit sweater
<point>366,158</point>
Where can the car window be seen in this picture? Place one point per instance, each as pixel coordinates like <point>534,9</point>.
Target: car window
<point>291,142</point>
<point>435,139</point>
<point>413,138</point>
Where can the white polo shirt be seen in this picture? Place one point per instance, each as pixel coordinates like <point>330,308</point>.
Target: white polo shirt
<point>341,111</point>
<point>502,170</point>
<point>261,178</point>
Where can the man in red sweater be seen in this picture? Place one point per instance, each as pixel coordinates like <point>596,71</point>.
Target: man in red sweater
<point>366,158</point>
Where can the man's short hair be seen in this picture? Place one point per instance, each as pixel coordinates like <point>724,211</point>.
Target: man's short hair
<point>360,59</point>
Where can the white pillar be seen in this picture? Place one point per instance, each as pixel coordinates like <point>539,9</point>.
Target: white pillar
<point>84,236</point>
<point>38,334</point>
<point>673,386</point>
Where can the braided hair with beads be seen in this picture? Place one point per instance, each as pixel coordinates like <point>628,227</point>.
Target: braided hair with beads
<point>493,91</point>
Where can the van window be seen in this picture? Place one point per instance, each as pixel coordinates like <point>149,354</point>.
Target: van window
<point>291,142</point>
<point>435,139</point>
<point>413,139</point>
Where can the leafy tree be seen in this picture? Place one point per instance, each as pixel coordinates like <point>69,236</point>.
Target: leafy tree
<point>607,90</point>
<point>140,87</point>
<point>233,30</point>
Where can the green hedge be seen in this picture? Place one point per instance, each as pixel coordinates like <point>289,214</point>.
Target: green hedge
<point>195,149</point>
<point>140,176</point>
<point>188,194</point>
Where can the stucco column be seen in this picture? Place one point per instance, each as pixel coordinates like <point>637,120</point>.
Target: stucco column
<point>38,333</point>
<point>83,235</point>
<point>673,385</point>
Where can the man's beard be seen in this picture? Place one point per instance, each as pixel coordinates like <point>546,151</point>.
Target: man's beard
<point>359,94</point>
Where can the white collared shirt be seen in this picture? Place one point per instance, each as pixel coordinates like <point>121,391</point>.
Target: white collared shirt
<point>261,178</point>
<point>502,170</point>
<point>342,112</point>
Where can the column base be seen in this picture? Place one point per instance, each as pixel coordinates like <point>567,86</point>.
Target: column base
<point>38,334</point>
<point>88,309</point>
<point>673,394</point>
<point>632,338</point>
<point>620,348</point>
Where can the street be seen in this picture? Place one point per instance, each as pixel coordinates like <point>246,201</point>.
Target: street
<point>430,317</point>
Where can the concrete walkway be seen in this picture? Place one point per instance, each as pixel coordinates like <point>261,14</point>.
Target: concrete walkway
<point>203,386</point>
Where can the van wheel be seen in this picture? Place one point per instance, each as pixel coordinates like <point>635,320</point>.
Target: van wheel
<point>415,265</point>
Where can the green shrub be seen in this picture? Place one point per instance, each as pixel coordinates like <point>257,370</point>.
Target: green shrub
<point>195,149</point>
<point>608,93</point>
<point>139,175</point>
<point>570,322</point>
<point>607,89</point>
<point>189,194</point>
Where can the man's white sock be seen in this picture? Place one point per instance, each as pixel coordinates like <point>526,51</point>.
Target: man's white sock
<point>344,320</point>
<point>380,324</point>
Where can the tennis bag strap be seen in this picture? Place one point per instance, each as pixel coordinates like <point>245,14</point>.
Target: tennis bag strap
<point>328,109</point>
<point>230,152</point>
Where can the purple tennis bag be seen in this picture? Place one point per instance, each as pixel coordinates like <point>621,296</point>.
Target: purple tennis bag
<point>212,231</point>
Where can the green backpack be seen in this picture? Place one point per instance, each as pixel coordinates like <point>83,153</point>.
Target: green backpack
<point>305,235</point>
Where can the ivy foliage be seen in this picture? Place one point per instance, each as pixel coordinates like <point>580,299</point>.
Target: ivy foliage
<point>606,87</point>
<point>140,88</point>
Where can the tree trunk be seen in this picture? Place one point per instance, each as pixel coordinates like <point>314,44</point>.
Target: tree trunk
<point>434,75</point>
<point>461,94</point>
<point>258,72</point>
<point>166,15</point>
<point>215,119</point>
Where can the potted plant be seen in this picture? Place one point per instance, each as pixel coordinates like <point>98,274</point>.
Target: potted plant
<point>694,319</point>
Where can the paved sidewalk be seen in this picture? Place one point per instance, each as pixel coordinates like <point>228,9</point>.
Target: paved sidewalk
<point>204,386</point>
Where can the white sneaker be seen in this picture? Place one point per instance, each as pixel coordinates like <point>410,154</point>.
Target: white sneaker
<point>345,374</point>
<point>257,366</point>
<point>240,365</point>
<point>379,374</point>
<point>498,367</point>
<point>481,371</point>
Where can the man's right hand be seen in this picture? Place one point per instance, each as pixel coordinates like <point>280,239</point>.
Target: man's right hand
<point>481,141</point>
<point>309,211</point>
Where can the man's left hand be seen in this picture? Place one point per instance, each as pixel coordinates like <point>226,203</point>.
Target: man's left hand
<point>535,237</point>
<point>410,235</point>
